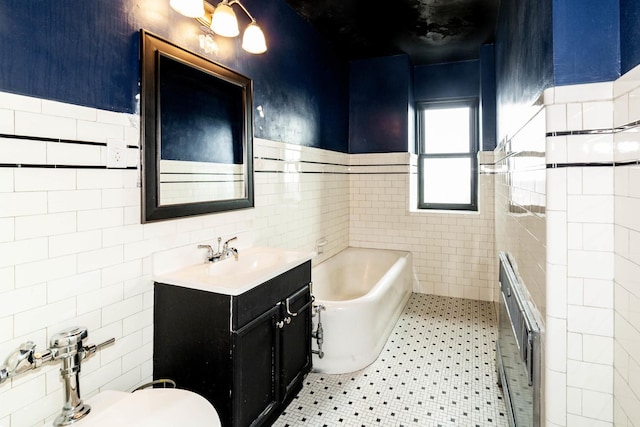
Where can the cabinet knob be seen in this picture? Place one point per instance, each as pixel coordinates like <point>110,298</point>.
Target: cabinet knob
<point>280,324</point>
<point>287,320</point>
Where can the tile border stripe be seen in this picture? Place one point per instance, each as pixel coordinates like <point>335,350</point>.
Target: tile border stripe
<point>41,166</point>
<point>592,165</point>
<point>59,140</point>
<point>614,130</point>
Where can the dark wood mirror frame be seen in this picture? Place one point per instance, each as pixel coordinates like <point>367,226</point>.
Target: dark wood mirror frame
<point>152,49</point>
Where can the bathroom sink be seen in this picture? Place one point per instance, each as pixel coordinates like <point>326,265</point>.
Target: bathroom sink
<point>233,277</point>
<point>247,264</point>
<point>160,407</point>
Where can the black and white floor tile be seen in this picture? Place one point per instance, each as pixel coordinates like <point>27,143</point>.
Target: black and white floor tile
<point>437,369</point>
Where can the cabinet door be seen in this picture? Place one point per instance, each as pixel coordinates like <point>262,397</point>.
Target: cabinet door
<point>295,354</point>
<point>255,382</point>
<point>191,342</point>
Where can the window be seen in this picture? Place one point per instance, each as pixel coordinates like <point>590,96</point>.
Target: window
<point>447,155</point>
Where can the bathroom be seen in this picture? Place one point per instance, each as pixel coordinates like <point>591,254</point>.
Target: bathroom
<point>557,183</point>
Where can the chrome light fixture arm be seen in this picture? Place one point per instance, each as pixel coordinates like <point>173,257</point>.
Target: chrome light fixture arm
<point>209,9</point>
<point>232,2</point>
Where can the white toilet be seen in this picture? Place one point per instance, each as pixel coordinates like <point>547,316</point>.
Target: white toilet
<point>159,407</point>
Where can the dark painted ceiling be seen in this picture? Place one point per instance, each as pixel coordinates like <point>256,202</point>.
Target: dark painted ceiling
<point>429,31</point>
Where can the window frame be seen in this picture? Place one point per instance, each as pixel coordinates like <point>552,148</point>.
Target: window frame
<point>472,154</point>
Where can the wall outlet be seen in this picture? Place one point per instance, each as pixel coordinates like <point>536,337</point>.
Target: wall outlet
<point>116,154</point>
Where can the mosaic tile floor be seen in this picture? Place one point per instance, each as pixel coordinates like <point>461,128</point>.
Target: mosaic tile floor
<point>437,369</point>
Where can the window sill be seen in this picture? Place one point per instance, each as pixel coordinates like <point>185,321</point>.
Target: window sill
<point>443,212</point>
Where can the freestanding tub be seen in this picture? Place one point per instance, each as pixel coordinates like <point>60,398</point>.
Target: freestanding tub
<point>363,292</point>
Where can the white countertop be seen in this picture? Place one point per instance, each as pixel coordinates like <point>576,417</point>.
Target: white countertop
<point>253,267</point>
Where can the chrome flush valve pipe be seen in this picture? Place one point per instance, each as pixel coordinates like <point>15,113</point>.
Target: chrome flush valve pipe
<point>66,345</point>
<point>69,347</point>
<point>22,360</point>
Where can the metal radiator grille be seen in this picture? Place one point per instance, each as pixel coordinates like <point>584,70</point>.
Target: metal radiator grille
<point>518,350</point>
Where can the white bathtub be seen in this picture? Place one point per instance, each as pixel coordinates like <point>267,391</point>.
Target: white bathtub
<point>364,292</point>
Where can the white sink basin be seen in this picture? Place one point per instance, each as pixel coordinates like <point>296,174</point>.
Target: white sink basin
<point>250,263</point>
<point>233,277</point>
<point>160,407</point>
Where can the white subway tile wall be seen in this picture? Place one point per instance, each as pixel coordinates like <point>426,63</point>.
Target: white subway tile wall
<point>74,252</point>
<point>593,150</point>
<point>521,204</point>
<point>575,254</point>
<point>626,292</point>
<point>453,252</point>
<point>579,204</point>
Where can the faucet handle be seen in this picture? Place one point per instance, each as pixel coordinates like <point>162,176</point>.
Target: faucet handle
<point>90,349</point>
<point>208,248</point>
<point>226,244</point>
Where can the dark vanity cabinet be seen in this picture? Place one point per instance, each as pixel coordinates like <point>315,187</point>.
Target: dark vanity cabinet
<point>247,354</point>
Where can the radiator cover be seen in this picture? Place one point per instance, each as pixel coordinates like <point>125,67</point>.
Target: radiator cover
<point>517,350</point>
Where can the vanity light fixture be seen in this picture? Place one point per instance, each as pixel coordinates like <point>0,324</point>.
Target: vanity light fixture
<point>222,21</point>
<point>190,8</point>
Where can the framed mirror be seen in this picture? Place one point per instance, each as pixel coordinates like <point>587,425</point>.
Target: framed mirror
<point>197,133</point>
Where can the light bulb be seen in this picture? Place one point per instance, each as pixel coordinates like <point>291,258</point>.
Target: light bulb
<point>190,8</point>
<point>253,39</point>
<point>224,22</point>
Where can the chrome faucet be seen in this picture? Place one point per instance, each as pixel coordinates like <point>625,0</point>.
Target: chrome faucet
<point>210,255</point>
<point>226,251</point>
<point>66,345</point>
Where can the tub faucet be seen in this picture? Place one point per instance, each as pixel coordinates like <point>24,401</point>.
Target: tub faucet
<point>319,332</point>
<point>226,251</point>
<point>68,347</point>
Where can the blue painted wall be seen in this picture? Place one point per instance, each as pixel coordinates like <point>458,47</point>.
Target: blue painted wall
<point>380,95</point>
<point>449,80</point>
<point>384,90</point>
<point>72,51</point>
<point>560,42</point>
<point>463,80</point>
<point>586,41</point>
<point>412,116</point>
<point>523,57</point>
<point>86,53</point>
<point>488,122</point>
<point>629,34</point>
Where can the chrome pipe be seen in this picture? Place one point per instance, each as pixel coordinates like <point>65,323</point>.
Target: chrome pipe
<point>319,332</point>
<point>68,346</point>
